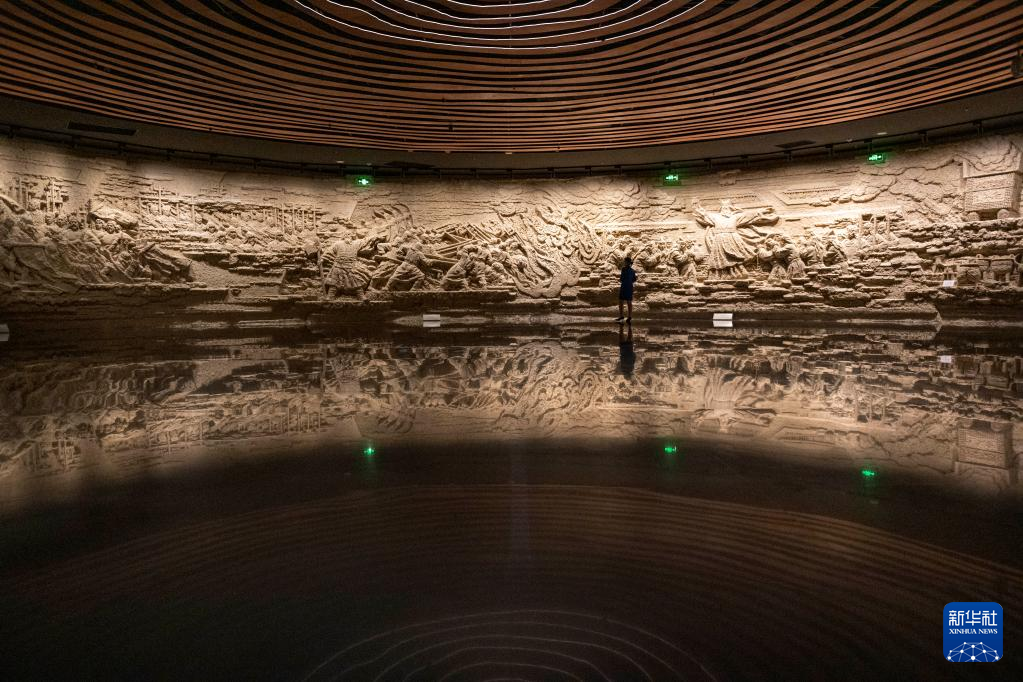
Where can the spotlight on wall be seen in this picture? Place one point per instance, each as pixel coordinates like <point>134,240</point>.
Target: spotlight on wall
<point>362,180</point>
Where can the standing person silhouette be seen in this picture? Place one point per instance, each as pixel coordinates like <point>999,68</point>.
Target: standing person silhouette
<point>626,353</point>
<point>627,279</point>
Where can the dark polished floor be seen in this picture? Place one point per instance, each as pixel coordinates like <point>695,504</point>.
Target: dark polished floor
<point>525,499</point>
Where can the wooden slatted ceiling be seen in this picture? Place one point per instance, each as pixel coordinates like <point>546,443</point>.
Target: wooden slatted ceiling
<point>484,76</point>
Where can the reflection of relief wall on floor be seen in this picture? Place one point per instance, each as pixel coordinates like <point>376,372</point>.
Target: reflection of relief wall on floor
<point>806,234</point>
<point>65,418</point>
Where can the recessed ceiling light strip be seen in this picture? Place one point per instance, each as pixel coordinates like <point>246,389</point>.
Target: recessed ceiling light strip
<point>502,18</point>
<point>508,39</point>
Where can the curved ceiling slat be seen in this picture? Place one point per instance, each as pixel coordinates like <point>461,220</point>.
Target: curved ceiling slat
<point>665,102</point>
<point>621,90</point>
<point>428,75</point>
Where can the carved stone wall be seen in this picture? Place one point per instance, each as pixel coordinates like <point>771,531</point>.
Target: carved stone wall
<point>849,396</point>
<point>930,227</point>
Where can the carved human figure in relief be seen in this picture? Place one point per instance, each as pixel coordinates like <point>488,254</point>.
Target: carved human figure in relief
<point>684,257</point>
<point>414,268</point>
<point>349,274</point>
<point>114,234</point>
<point>817,250</point>
<point>775,252</point>
<point>479,267</point>
<point>619,249</point>
<point>654,256</point>
<point>499,265</point>
<point>731,237</point>
<point>467,272</point>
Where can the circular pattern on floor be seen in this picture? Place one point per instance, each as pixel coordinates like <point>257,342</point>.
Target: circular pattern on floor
<point>547,645</point>
<point>492,581</point>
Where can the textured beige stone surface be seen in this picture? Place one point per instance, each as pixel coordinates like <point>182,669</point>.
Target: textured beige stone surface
<point>804,236</point>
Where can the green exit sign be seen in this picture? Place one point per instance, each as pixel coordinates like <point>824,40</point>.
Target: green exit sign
<point>877,157</point>
<point>363,180</point>
<point>672,178</point>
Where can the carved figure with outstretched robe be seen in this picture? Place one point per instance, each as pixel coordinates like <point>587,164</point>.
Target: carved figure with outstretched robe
<point>731,237</point>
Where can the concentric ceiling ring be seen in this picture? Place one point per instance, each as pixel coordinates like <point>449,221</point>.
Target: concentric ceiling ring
<point>516,29</point>
<point>545,75</point>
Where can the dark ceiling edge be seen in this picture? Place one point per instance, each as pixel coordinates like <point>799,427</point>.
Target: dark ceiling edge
<point>996,109</point>
<point>849,149</point>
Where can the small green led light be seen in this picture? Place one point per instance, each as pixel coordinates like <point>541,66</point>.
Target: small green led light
<point>877,157</point>
<point>363,180</point>
<point>369,451</point>
<point>672,178</point>
<point>868,473</point>
<point>670,449</point>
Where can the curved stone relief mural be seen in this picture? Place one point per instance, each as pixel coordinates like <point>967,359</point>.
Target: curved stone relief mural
<point>887,397</point>
<point>840,233</point>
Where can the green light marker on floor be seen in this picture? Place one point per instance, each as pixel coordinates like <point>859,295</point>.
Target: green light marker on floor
<point>369,451</point>
<point>868,473</point>
<point>670,449</point>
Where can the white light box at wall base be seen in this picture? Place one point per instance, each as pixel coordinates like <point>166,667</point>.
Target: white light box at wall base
<point>723,316</point>
<point>723,323</point>
<point>948,283</point>
<point>431,317</point>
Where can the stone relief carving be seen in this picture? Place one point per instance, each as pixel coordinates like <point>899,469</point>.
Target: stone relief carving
<point>882,396</point>
<point>833,233</point>
<point>44,246</point>
<point>992,171</point>
<point>685,258</point>
<point>731,237</point>
<point>348,272</point>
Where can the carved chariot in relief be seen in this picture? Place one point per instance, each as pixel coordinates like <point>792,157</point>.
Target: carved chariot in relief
<point>992,195</point>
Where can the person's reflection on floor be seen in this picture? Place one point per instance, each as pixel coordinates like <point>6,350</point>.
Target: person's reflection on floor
<point>626,355</point>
